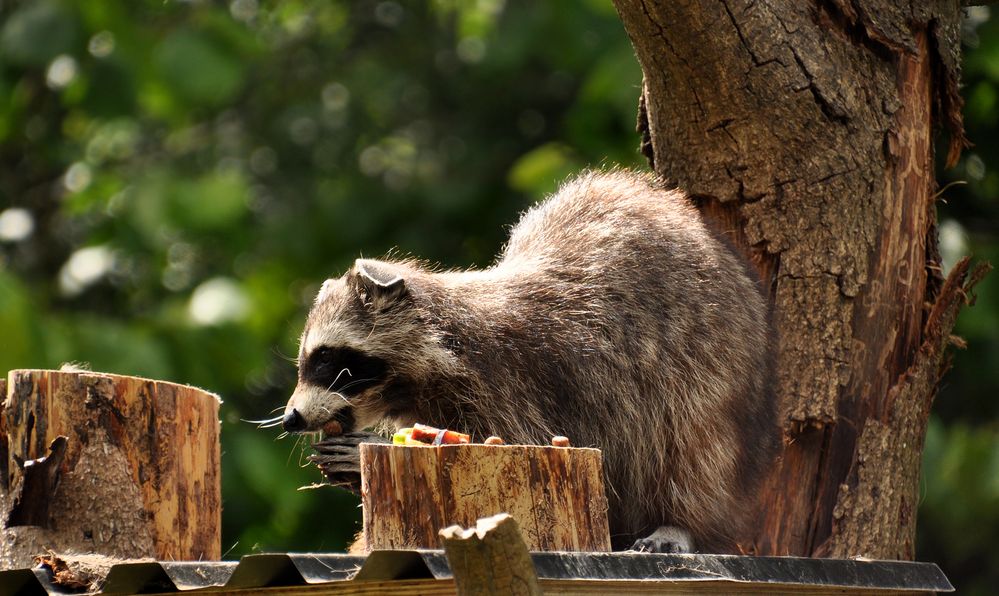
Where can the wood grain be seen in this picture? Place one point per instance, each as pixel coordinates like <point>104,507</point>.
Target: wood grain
<point>490,558</point>
<point>140,472</point>
<point>556,494</point>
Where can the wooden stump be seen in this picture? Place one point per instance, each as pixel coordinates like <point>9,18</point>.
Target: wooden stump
<point>556,494</point>
<point>490,558</point>
<point>109,464</point>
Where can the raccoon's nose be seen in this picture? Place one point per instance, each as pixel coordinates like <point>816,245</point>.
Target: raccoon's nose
<point>293,421</point>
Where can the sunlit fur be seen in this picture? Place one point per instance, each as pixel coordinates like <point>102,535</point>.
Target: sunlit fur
<point>614,317</point>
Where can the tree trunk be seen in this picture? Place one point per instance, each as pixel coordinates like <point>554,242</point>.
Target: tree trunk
<point>803,129</point>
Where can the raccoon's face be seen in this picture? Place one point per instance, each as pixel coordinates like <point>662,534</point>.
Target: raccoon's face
<point>344,366</point>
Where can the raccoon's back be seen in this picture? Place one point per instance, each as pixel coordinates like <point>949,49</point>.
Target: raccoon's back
<point>601,217</point>
<point>650,321</point>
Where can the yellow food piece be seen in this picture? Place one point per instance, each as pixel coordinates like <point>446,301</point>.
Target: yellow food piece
<point>402,437</point>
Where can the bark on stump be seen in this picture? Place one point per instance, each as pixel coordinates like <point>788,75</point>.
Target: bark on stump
<point>108,464</point>
<point>556,494</point>
<point>803,129</point>
<point>490,558</point>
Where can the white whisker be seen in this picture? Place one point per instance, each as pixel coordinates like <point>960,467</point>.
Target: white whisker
<point>352,383</point>
<point>265,420</point>
<point>344,370</point>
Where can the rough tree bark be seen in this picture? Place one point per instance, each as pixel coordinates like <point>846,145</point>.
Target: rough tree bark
<point>804,130</point>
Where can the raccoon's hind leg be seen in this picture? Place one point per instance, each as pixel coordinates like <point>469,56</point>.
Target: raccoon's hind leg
<point>666,539</point>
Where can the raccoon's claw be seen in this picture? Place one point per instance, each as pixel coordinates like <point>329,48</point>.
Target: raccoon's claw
<point>665,540</point>
<point>339,458</point>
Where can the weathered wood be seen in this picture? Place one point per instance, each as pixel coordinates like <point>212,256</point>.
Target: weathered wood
<point>804,131</point>
<point>40,479</point>
<point>409,493</point>
<point>490,559</point>
<point>137,473</point>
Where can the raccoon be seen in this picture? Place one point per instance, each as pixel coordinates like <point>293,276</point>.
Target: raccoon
<point>614,316</point>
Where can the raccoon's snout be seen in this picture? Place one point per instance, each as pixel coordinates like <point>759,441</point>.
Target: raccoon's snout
<point>311,410</point>
<point>293,422</point>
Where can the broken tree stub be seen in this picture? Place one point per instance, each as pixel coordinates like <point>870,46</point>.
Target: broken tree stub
<point>556,494</point>
<point>109,464</point>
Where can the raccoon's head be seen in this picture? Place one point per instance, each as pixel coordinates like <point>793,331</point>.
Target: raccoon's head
<point>353,357</point>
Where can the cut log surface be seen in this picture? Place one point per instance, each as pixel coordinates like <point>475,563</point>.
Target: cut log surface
<point>137,473</point>
<point>556,494</point>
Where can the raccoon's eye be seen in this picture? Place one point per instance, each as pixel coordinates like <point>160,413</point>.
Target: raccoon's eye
<point>343,370</point>
<point>324,358</point>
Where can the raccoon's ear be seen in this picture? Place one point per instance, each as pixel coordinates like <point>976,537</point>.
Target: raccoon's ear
<point>381,283</point>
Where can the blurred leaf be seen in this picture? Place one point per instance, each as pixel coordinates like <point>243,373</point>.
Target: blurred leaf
<point>111,91</point>
<point>21,333</point>
<point>198,69</point>
<point>540,171</point>
<point>214,201</point>
<point>960,504</point>
<point>112,346</point>
<point>36,33</point>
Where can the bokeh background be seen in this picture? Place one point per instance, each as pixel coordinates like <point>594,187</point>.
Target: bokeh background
<point>177,179</point>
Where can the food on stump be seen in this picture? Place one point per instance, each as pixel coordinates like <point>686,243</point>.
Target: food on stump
<point>493,440</point>
<point>421,434</point>
<point>560,441</point>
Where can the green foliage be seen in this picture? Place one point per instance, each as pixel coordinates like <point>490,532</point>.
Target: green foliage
<point>36,33</point>
<point>958,522</point>
<point>195,71</point>
<point>192,171</point>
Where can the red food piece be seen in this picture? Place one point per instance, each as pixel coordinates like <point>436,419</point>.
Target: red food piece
<point>437,436</point>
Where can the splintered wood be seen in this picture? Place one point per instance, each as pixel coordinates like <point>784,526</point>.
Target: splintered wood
<point>491,558</point>
<point>556,494</point>
<point>109,464</point>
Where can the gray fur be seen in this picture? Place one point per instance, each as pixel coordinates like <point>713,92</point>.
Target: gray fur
<point>614,316</point>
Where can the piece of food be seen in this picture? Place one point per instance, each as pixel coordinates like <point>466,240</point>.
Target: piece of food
<point>420,434</point>
<point>560,441</point>
<point>404,437</point>
<point>438,436</point>
<point>494,440</point>
<point>332,429</point>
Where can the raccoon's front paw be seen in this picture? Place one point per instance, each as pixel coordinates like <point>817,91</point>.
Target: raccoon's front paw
<point>339,458</point>
<point>666,539</point>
